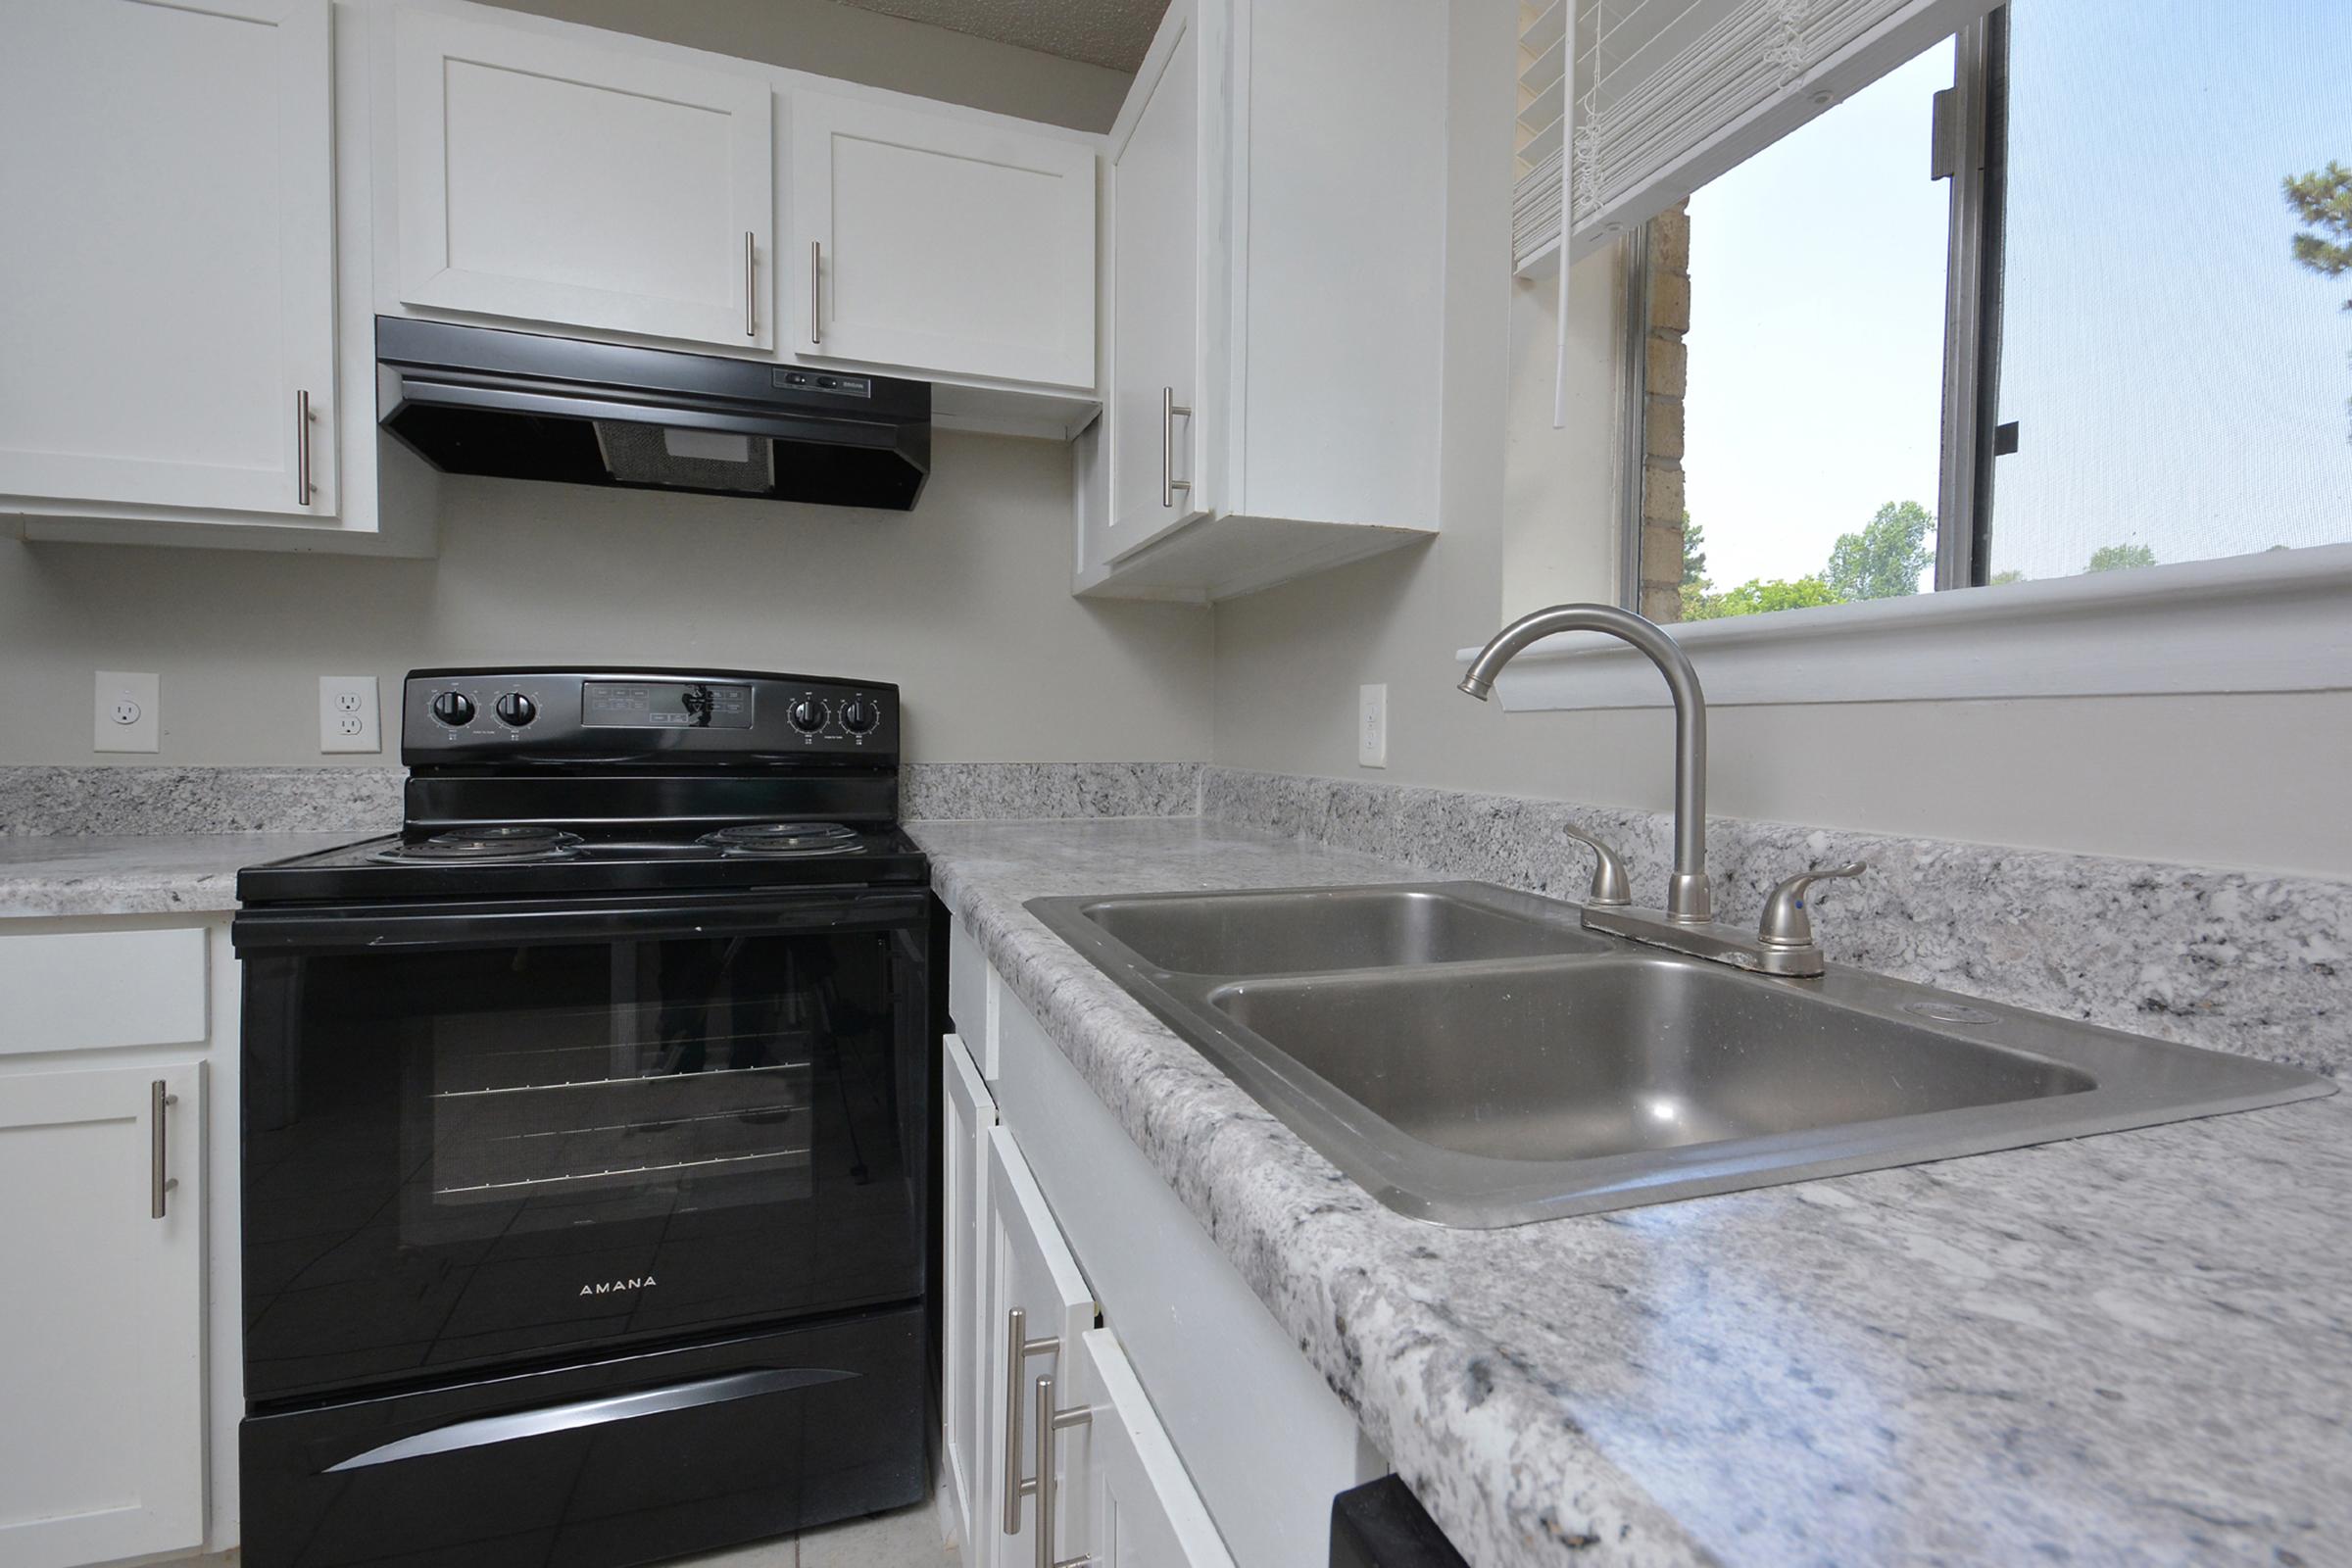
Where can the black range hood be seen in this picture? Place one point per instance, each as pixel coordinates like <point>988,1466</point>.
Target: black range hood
<point>520,406</point>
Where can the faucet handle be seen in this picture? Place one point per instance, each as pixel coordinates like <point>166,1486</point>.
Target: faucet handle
<point>1610,885</point>
<point>1785,925</point>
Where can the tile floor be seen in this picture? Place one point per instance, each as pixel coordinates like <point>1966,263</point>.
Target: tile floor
<point>908,1538</point>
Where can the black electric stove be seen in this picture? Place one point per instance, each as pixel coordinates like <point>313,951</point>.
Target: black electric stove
<point>586,1133</point>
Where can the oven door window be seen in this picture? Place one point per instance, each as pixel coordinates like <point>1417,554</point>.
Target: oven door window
<point>457,1157</point>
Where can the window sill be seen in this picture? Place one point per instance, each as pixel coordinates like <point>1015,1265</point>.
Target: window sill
<point>2274,622</point>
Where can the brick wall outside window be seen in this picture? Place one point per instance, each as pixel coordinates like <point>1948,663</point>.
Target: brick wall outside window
<point>1666,374</point>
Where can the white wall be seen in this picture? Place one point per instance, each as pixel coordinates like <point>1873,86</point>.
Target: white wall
<point>2255,782</point>
<point>965,602</point>
<point>864,46</point>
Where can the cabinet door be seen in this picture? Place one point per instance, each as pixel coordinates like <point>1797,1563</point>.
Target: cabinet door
<point>1156,472</point>
<point>970,1114</point>
<point>1038,1304</point>
<point>1134,1505</point>
<point>102,1310</point>
<point>941,244</point>
<point>558,181</point>
<point>167,284</point>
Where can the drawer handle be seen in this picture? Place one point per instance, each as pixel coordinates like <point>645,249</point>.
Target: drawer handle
<point>1049,1422</point>
<point>1019,1347</point>
<point>1169,485</point>
<point>603,1410</point>
<point>159,1154</point>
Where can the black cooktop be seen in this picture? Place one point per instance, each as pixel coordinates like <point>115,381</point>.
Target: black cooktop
<point>403,866</point>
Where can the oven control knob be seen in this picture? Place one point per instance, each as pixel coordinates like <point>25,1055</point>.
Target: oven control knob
<point>806,716</point>
<point>859,717</point>
<point>453,708</point>
<point>516,709</point>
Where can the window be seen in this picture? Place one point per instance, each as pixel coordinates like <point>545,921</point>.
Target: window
<point>2120,333</point>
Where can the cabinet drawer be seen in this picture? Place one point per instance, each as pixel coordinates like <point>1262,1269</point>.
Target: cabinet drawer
<point>972,998</point>
<point>73,991</point>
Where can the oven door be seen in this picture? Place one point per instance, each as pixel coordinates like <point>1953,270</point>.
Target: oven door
<point>518,1133</point>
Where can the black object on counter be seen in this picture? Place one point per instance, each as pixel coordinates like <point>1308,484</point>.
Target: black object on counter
<point>1381,1524</point>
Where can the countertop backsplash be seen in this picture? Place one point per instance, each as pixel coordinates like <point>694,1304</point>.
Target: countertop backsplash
<point>39,802</point>
<point>113,801</point>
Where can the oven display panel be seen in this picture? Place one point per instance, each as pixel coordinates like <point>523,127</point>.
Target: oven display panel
<point>664,704</point>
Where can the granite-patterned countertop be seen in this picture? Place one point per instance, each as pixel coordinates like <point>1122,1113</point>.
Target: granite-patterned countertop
<point>138,873</point>
<point>2134,1349</point>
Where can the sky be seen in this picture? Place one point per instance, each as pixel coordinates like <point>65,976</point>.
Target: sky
<point>2178,381</point>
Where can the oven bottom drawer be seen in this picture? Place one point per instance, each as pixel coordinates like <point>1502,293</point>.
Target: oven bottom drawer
<point>629,1460</point>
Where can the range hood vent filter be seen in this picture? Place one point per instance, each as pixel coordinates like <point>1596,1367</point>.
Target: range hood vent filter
<point>686,460</point>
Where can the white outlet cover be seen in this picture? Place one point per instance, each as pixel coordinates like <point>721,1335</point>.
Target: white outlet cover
<point>349,720</point>
<point>1372,726</point>
<point>128,714</point>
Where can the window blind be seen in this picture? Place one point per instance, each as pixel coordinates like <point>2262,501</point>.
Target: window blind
<point>1656,97</point>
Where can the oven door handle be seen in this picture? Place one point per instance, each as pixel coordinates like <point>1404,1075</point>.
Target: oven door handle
<point>482,1431</point>
<point>354,928</point>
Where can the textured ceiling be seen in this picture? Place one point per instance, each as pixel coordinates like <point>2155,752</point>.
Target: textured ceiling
<point>1102,32</point>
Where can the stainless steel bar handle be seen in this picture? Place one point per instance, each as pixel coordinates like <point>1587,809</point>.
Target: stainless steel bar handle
<point>1169,485</point>
<point>302,449</point>
<point>1049,1422</point>
<point>817,289</point>
<point>158,1160</point>
<point>751,284</point>
<point>1019,1347</point>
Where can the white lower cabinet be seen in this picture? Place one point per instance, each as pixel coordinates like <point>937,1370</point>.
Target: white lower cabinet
<point>102,1416</point>
<point>1194,1431</point>
<point>1038,1306</point>
<point>1138,1508</point>
<point>963,1198</point>
<point>1021,1343</point>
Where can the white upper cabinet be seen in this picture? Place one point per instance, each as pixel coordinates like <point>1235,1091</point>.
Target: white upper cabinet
<point>1276,241</point>
<point>166,275</point>
<point>941,244</point>
<point>1160,315</point>
<point>102,1307</point>
<point>553,181</point>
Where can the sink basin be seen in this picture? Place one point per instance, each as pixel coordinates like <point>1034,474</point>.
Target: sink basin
<point>1331,928</point>
<point>1469,1055</point>
<point>1567,1061</point>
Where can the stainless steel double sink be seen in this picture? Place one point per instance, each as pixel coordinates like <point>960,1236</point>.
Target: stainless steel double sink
<point>1471,1055</point>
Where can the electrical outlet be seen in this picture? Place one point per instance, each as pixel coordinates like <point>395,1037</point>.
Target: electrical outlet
<point>347,714</point>
<point>129,715</point>
<point>1372,726</point>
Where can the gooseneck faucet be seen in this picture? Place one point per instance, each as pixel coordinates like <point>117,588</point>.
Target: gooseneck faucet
<point>1783,942</point>
<point>1689,900</point>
